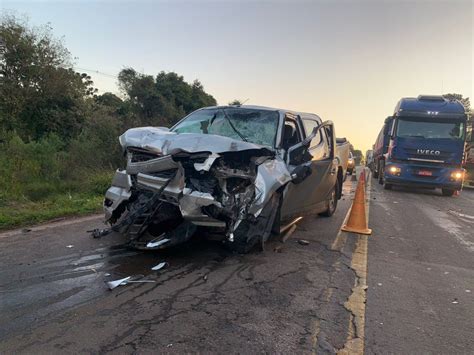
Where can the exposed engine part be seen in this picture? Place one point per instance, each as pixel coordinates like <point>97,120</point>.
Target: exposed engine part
<point>164,198</point>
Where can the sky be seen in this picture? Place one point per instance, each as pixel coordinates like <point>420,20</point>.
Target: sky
<point>347,61</point>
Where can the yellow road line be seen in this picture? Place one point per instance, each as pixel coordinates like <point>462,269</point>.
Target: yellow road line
<point>314,337</point>
<point>357,300</point>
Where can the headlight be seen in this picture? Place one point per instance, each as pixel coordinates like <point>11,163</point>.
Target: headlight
<point>457,175</point>
<point>394,170</point>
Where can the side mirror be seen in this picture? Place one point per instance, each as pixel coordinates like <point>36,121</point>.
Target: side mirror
<point>300,173</point>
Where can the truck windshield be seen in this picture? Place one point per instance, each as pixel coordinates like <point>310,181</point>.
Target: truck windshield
<point>430,129</point>
<point>250,125</point>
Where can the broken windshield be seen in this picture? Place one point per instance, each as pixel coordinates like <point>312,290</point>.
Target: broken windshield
<point>251,125</point>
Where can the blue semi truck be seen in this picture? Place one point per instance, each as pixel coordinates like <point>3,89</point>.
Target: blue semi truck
<point>422,145</point>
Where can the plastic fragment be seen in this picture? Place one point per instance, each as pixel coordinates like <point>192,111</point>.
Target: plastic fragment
<point>97,233</point>
<point>303,242</point>
<point>116,283</point>
<point>159,266</point>
<point>125,281</point>
<point>157,244</point>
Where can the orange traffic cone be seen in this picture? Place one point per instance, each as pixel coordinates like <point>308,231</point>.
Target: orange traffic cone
<point>357,222</point>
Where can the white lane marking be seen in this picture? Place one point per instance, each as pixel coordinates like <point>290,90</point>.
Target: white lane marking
<point>465,217</point>
<point>459,232</point>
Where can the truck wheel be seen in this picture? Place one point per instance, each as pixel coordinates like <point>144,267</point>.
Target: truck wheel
<point>375,173</point>
<point>381,172</point>
<point>331,202</point>
<point>448,192</point>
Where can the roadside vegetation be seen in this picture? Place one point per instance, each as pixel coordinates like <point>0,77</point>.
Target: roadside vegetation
<point>59,136</point>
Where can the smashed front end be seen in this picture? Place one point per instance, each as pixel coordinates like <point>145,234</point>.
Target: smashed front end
<point>175,184</point>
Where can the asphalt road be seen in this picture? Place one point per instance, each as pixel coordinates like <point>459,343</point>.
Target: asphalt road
<point>54,297</point>
<point>408,288</point>
<point>420,272</point>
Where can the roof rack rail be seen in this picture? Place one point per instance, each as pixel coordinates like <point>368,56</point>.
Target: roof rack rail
<point>431,98</point>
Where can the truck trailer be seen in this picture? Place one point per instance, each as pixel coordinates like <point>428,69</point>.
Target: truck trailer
<point>469,156</point>
<point>422,145</point>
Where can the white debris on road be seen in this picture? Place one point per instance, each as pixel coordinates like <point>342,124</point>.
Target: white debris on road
<point>159,266</point>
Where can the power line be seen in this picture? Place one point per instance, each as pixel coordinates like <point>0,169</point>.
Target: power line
<point>97,72</point>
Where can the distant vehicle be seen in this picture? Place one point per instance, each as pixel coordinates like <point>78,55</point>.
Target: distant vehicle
<point>422,145</point>
<point>469,156</point>
<point>343,153</point>
<point>381,147</point>
<point>235,172</point>
<point>369,159</point>
<point>350,164</point>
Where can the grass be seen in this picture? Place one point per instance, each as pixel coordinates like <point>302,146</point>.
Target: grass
<point>24,213</point>
<point>50,178</point>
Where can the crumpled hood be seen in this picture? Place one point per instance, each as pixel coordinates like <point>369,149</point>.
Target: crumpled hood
<point>164,142</point>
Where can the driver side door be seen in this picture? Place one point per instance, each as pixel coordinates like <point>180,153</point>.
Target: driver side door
<point>311,194</point>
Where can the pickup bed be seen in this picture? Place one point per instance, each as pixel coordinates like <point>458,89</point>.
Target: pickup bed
<point>342,153</point>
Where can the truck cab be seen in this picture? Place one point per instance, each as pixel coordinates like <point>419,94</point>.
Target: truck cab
<point>426,145</point>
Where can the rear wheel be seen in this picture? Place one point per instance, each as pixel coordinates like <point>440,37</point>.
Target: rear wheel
<point>331,202</point>
<point>375,172</point>
<point>381,169</point>
<point>448,192</point>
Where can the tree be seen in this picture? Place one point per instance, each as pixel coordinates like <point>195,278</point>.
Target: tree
<point>464,100</point>
<point>165,99</point>
<point>108,99</point>
<point>236,102</point>
<point>39,92</point>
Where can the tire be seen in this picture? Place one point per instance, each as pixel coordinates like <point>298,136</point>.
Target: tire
<point>387,186</point>
<point>381,170</point>
<point>241,244</point>
<point>277,221</point>
<point>250,233</point>
<point>448,192</point>
<point>331,202</point>
<point>375,173</point>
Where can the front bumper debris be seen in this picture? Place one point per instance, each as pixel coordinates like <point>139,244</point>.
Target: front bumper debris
<point>159,200</point>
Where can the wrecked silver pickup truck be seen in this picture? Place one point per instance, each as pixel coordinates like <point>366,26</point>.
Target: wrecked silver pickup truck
<point>233,173</point>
